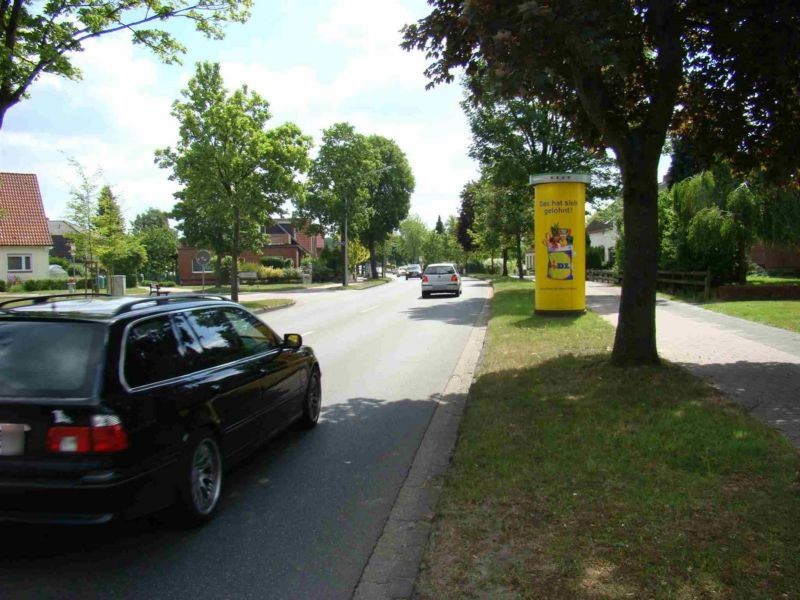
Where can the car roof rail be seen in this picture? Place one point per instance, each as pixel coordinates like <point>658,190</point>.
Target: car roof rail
<point>169,299</point>
<point>50,297</point>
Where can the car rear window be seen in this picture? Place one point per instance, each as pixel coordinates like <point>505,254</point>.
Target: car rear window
<point>50,359</point>
<point>440,270</point>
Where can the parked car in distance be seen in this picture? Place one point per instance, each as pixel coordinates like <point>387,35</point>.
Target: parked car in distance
<point>441,278</point>
<point>115,407</point>
<point>401,271</point>
<point>413,271</point>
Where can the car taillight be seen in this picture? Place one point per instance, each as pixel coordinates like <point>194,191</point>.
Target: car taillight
<point>106,434</point>
<point>424,279</point>
<point>454,278</point>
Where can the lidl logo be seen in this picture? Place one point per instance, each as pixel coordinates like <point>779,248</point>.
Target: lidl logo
<point>559,265</point>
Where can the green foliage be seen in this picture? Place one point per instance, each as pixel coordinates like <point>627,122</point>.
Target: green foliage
<point>61,262</point>
<point>2,285</point>
<point>390,197</point>
<point>252,267</point>
<point>413,234</point>
<point>41,37</point>
<point>321,270</point>
<point>117,251</point>
<point>711,238</point>
<point>595,257</point>
<point>277,262</point>
<point>234,172</point>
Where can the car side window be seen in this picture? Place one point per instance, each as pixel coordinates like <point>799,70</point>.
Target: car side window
<point>152,353</point>
<point>256,337</point>
<point>219,340</point>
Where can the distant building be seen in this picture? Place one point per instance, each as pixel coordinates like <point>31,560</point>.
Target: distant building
<point>25,239</point>
<point>62,246</point>
<point>603,233</point>
<point>285,241</point>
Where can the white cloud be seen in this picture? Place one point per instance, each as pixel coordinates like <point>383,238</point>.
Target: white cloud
<point>121,108</point>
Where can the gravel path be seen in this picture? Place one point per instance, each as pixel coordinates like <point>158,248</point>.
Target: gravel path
<point>758,366</point>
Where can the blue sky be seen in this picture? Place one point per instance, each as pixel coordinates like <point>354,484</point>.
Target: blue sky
<point>317,62</point>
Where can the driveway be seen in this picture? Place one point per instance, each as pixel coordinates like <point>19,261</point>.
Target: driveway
<point>758,366</point>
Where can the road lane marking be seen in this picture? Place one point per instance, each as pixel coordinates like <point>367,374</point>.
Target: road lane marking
<point>307,333</point>
<point>366,310</point>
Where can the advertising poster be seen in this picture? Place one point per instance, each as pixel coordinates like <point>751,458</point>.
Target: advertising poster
<point>560,242</point>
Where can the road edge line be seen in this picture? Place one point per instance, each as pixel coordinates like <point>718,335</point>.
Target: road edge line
<point>393,566</point>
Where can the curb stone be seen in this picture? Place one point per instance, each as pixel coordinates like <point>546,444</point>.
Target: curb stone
<point>393,567</point>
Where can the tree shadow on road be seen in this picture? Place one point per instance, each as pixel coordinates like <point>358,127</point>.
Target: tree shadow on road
<point>307,493</point>
<point>437,308</point>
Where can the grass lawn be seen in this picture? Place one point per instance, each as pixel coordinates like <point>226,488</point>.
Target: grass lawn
<point>575,479</point>
<point>772,280</point>
<point>778,313</point>
<point>271,304</point>
<point>271,287</point>
<point>363,285</point>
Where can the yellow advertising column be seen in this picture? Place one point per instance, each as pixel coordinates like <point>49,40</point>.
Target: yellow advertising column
<point>560,243</point>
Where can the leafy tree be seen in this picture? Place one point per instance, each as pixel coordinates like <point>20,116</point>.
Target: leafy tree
<point>152,218</point>
<point>119,252</point>
<point>159,239</point>
<point>617,72</point>
<point>466,218</point>
<point>389,199</point>
<point>234,172</point>
<point>439,228</point>
<point>41,37</point>
<point>81,210</point>
<point>514,138</point>
<point>341,179</point>
<point>413,233</point>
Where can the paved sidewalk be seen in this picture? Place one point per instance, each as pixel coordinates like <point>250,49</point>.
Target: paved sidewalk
<point>758,366</point>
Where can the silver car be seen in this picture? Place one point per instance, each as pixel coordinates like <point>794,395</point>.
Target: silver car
<point>441,278</point>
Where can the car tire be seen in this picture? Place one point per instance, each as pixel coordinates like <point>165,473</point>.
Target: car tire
<point>200,485</point>
<point>426,294</point>
<point>458,293</point>
<point>312,402</point>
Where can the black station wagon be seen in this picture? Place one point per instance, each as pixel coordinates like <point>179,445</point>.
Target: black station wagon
<point>115,407</point>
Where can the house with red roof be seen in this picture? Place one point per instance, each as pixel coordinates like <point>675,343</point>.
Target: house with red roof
<point>24,234</point>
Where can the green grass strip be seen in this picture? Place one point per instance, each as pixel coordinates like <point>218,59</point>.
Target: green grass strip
<point>575,479</point>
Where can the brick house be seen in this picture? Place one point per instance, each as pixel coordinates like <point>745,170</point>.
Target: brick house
<point>25,239</point>
<point>285,240</point>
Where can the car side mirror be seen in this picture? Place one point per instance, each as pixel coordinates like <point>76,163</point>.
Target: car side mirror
<point>292,341</point>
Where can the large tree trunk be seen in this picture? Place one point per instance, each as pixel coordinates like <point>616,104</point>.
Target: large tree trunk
<point>505,262</point>
<point>383,260</point>
<point>520,271</point>
<point>235,258</point>
<point>635,341</point>
<point>373,260</point>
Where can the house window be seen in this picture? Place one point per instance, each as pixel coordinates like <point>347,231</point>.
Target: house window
<point>198,268</point>
<point>19,263</point>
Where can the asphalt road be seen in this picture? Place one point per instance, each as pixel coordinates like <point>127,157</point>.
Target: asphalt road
<point>299,518</point>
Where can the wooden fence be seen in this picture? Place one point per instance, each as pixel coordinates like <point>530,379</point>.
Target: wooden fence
<point>693,279</point>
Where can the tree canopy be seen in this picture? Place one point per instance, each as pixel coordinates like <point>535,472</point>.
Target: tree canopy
<point>389,198</point>
<point>41,37</point>
<point>617,71</point>
<point>234,173</point>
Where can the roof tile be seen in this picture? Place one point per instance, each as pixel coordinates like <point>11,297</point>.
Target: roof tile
<point>23,222</point>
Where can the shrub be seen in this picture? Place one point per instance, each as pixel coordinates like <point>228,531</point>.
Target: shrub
<point>276,262</point>
<point>168,283</point>
<point>2,286</point>
<point>475,266</point>
<point>595,257</point>
<point>292,273</point>
<point>246,266</point>
<point>320,270</point>
<point>61,262</point>
<point>270,273</point>
<point>712,241</point>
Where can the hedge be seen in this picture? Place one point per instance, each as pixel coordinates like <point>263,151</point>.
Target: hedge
<point>759,292</point>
